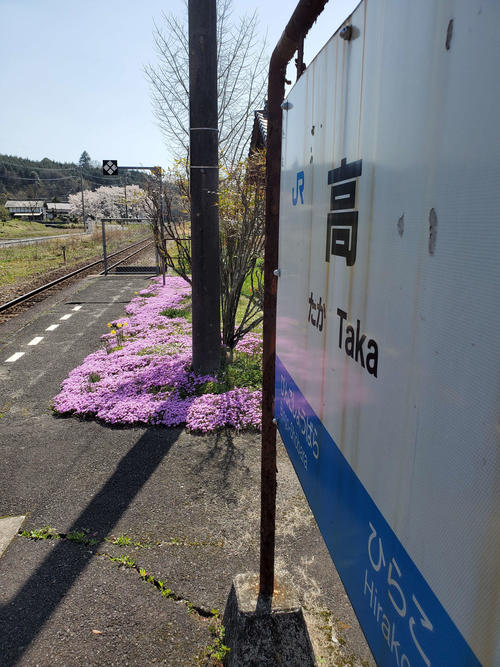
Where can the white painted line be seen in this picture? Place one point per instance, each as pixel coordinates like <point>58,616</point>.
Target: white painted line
<point>36,340</point>
<point>52,327</point>
<point>342,196</point>
<point>66,317</point>
<point>77,308</point>
<point>14,357</point>
<point>9,526</point>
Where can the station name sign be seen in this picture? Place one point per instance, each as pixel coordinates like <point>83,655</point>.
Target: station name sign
<point>394,442</point>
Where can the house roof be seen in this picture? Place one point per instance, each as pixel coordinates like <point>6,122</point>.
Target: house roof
<point>26,203</point>
<point>57,206</point>
<point>261,118</point>
<point>258,140</point>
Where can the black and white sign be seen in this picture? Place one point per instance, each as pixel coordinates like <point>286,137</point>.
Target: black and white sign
<point>110,167</point>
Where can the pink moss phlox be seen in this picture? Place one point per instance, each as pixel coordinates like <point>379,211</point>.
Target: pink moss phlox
<point>148,379</point>
<point>251,344</point>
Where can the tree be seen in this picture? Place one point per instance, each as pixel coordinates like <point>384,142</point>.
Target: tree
<point>84,160</point>
<point>241,220</point>
<point>241,223</point>
<point>4,213</point>
<point>108,202</point>
<point>169,219</point>
<point>242,69</point>
<point>60,179</point>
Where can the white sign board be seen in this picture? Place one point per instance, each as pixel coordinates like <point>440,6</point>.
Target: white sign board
<point>387,380</point>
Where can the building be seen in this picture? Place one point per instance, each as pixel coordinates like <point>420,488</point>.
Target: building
<point>29,208</point>
<point>259,130</point>
<point>56,210</point>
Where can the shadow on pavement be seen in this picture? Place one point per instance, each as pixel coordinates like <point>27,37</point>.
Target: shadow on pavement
<point>222,458</point>
<point>24,616</point>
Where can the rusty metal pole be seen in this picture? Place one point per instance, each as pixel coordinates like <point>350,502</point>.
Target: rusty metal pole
<point>162,229</point>
<point>299,62</point>
<point>301,21</point>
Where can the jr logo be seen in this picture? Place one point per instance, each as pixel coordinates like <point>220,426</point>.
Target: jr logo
<point>299,190</point>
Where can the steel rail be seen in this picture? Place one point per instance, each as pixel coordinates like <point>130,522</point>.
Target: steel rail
<point>292,39</point>
<point>127,257</point>
<point>42,288</point>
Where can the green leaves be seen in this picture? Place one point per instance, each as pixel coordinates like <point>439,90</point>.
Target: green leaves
<point>217,650</point>
<point>48,533</point>
<point>126,560</point>
<point>45,533</point>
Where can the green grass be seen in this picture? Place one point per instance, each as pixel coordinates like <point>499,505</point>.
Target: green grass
<point>125,541</point>
<point>175,312</point>
<point>48,533</point>
<point>245,370</point>
<point>186,313</point>
<point>125,560</point>
<point>184,310</point>
<point>81,537</point>
<point>45,533</point>
<point>21,229</point>
<point>242,304</point>
<point>158,349</point>
<point>245,295</point>
<point>217,651</point>
<point>19,263</point>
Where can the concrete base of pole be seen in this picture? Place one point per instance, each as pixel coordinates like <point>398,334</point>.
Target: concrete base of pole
<point>265,632</point>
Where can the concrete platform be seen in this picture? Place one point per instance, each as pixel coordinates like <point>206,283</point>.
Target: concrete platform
<point>9,526</point>
<point>265,631</point>
<point>183,508</point>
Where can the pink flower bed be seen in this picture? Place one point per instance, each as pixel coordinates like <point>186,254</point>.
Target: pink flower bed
<point>142,374</point>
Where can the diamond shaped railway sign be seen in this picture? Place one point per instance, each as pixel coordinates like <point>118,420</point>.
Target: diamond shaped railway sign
<point>110,167</point>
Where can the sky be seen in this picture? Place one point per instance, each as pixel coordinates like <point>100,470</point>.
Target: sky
<point>72,73</point>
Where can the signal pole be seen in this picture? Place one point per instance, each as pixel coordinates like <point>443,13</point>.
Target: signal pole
<point>204,184</point>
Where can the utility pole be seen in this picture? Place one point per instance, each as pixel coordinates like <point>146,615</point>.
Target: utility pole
<point>83,200</point>
<point>204,183</point>
<point>162,227</point>
<point>125,190</point>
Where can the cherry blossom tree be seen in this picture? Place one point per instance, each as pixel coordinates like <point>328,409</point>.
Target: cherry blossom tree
<point>109,202</point>
<point>241,228</point>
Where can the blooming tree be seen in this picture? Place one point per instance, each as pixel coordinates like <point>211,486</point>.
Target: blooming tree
<point>109,202</point>
<point>241,81</point>
<point>241,230</point>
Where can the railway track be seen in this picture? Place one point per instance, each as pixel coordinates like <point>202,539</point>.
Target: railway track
<point>24,301</point>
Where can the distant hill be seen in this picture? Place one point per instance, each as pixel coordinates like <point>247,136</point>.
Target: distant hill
<point>21,178</point>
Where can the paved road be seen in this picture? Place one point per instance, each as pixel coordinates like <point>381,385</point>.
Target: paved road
<point>38,239</point>
<point>188,504</point>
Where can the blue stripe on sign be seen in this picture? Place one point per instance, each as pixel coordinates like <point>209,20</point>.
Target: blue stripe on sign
<point>403,621</point>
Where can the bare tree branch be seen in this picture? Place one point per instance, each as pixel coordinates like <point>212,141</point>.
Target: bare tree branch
<point>241,80</point>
